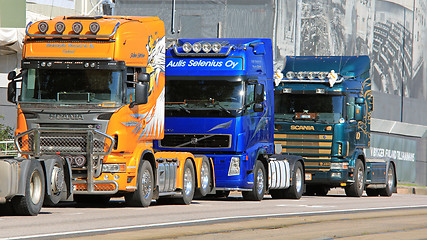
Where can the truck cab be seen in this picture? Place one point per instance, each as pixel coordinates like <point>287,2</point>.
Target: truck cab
<point>220,103</point>
<point>323,108</point>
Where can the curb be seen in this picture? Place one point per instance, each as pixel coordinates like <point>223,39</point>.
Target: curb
<point>411,190</point>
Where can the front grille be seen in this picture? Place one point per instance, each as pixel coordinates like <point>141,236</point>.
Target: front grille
<point>307,145</point>
<point>196,141</point>
<point>53,141</point>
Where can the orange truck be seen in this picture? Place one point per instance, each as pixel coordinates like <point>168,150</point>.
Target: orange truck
<point>90,105</point>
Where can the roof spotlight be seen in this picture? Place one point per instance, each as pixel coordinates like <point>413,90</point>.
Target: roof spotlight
<point>216,47</point>
<point>77,27</point>
<point>290,75</point>
<point>186,47</point>
<point>43,27</point>
<point>197,47</point>
<point>207,47</point>
<point>311,75</point>
<point>322,75</point>
<point>60,27</point>
<point>94,27</point>
<point>301,75</point>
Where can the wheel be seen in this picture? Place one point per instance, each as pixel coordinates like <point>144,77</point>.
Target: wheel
<point>32,202</point>
<point>388,190</point>
<point>57,184</point>
<point>144,187</point>
<point>258,190</point>
<point>205,179</point>
<point>91,200</point>
<point>188,182</point>
<point>356,189</point>
<point>296,190</point>
<point>372,192</point>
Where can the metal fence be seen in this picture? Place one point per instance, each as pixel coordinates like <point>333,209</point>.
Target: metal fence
<point>7,147</point>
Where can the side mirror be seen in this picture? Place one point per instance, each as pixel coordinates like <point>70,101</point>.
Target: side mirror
<point>11,75</point>
<point>141,93</point>
<point>360,100</point>
<point>11,92</point>
<point>258,107</point>
<point>358,113</point>
<point>143,77</point>
<point>259,93</point>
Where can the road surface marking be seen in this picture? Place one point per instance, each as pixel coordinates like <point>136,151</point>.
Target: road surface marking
<point>114,229</point>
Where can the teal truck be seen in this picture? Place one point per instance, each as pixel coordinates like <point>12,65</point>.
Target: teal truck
<point>323,108</point>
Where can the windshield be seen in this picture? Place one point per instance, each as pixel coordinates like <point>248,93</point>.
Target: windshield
<point>304,107</point>
<point>71,85</point>
<point>204,94</point>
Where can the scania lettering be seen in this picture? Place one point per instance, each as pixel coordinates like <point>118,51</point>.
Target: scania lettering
<point>323,108</point>
<point>219,103</point>
<point>92,102</point>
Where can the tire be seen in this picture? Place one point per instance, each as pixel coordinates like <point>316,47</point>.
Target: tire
<point>259,187</point>
<point>32,202</point>
<point>91,200</point>
<point>205,180</point>
<point>390,184</point>
<point>356,189</point>
<point>372,192</point>
<point>57,184</point>
<point>188,182</point>
<point>296,190</point>
<point>144,187</point>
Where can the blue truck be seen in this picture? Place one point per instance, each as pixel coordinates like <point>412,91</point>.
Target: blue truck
<point>323,108</point>
<point>220,104</point>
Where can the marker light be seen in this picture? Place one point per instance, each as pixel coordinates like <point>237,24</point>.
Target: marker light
<point>287,90</point>
<point>94,27</point>
<point>60,27</point>
<point>322,75</point>
<point>311,75</point>
<point>186,47</point>
<point>197,47</point>
<point>206,47</point>
<point>290,75</point>
<point>216,47</point>
<point>43,27</point>
<point>77,27</point>
<point>301,75</point>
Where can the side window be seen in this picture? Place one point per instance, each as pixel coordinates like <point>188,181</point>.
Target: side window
<point>250,94</point>
<point>131,76</point>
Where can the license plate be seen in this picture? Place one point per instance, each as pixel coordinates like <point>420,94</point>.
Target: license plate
<point>308,176</point>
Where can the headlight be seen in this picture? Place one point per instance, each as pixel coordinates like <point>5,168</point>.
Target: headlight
<point>234,166</point>
<point>339,166</point>
<point>113,167</point>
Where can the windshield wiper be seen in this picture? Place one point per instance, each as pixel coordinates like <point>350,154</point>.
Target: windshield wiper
<point>285,119</point>
<point>181,106</point>
<point>221,107</point>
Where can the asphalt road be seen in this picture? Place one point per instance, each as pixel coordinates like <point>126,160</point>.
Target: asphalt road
<point>311,217</point>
